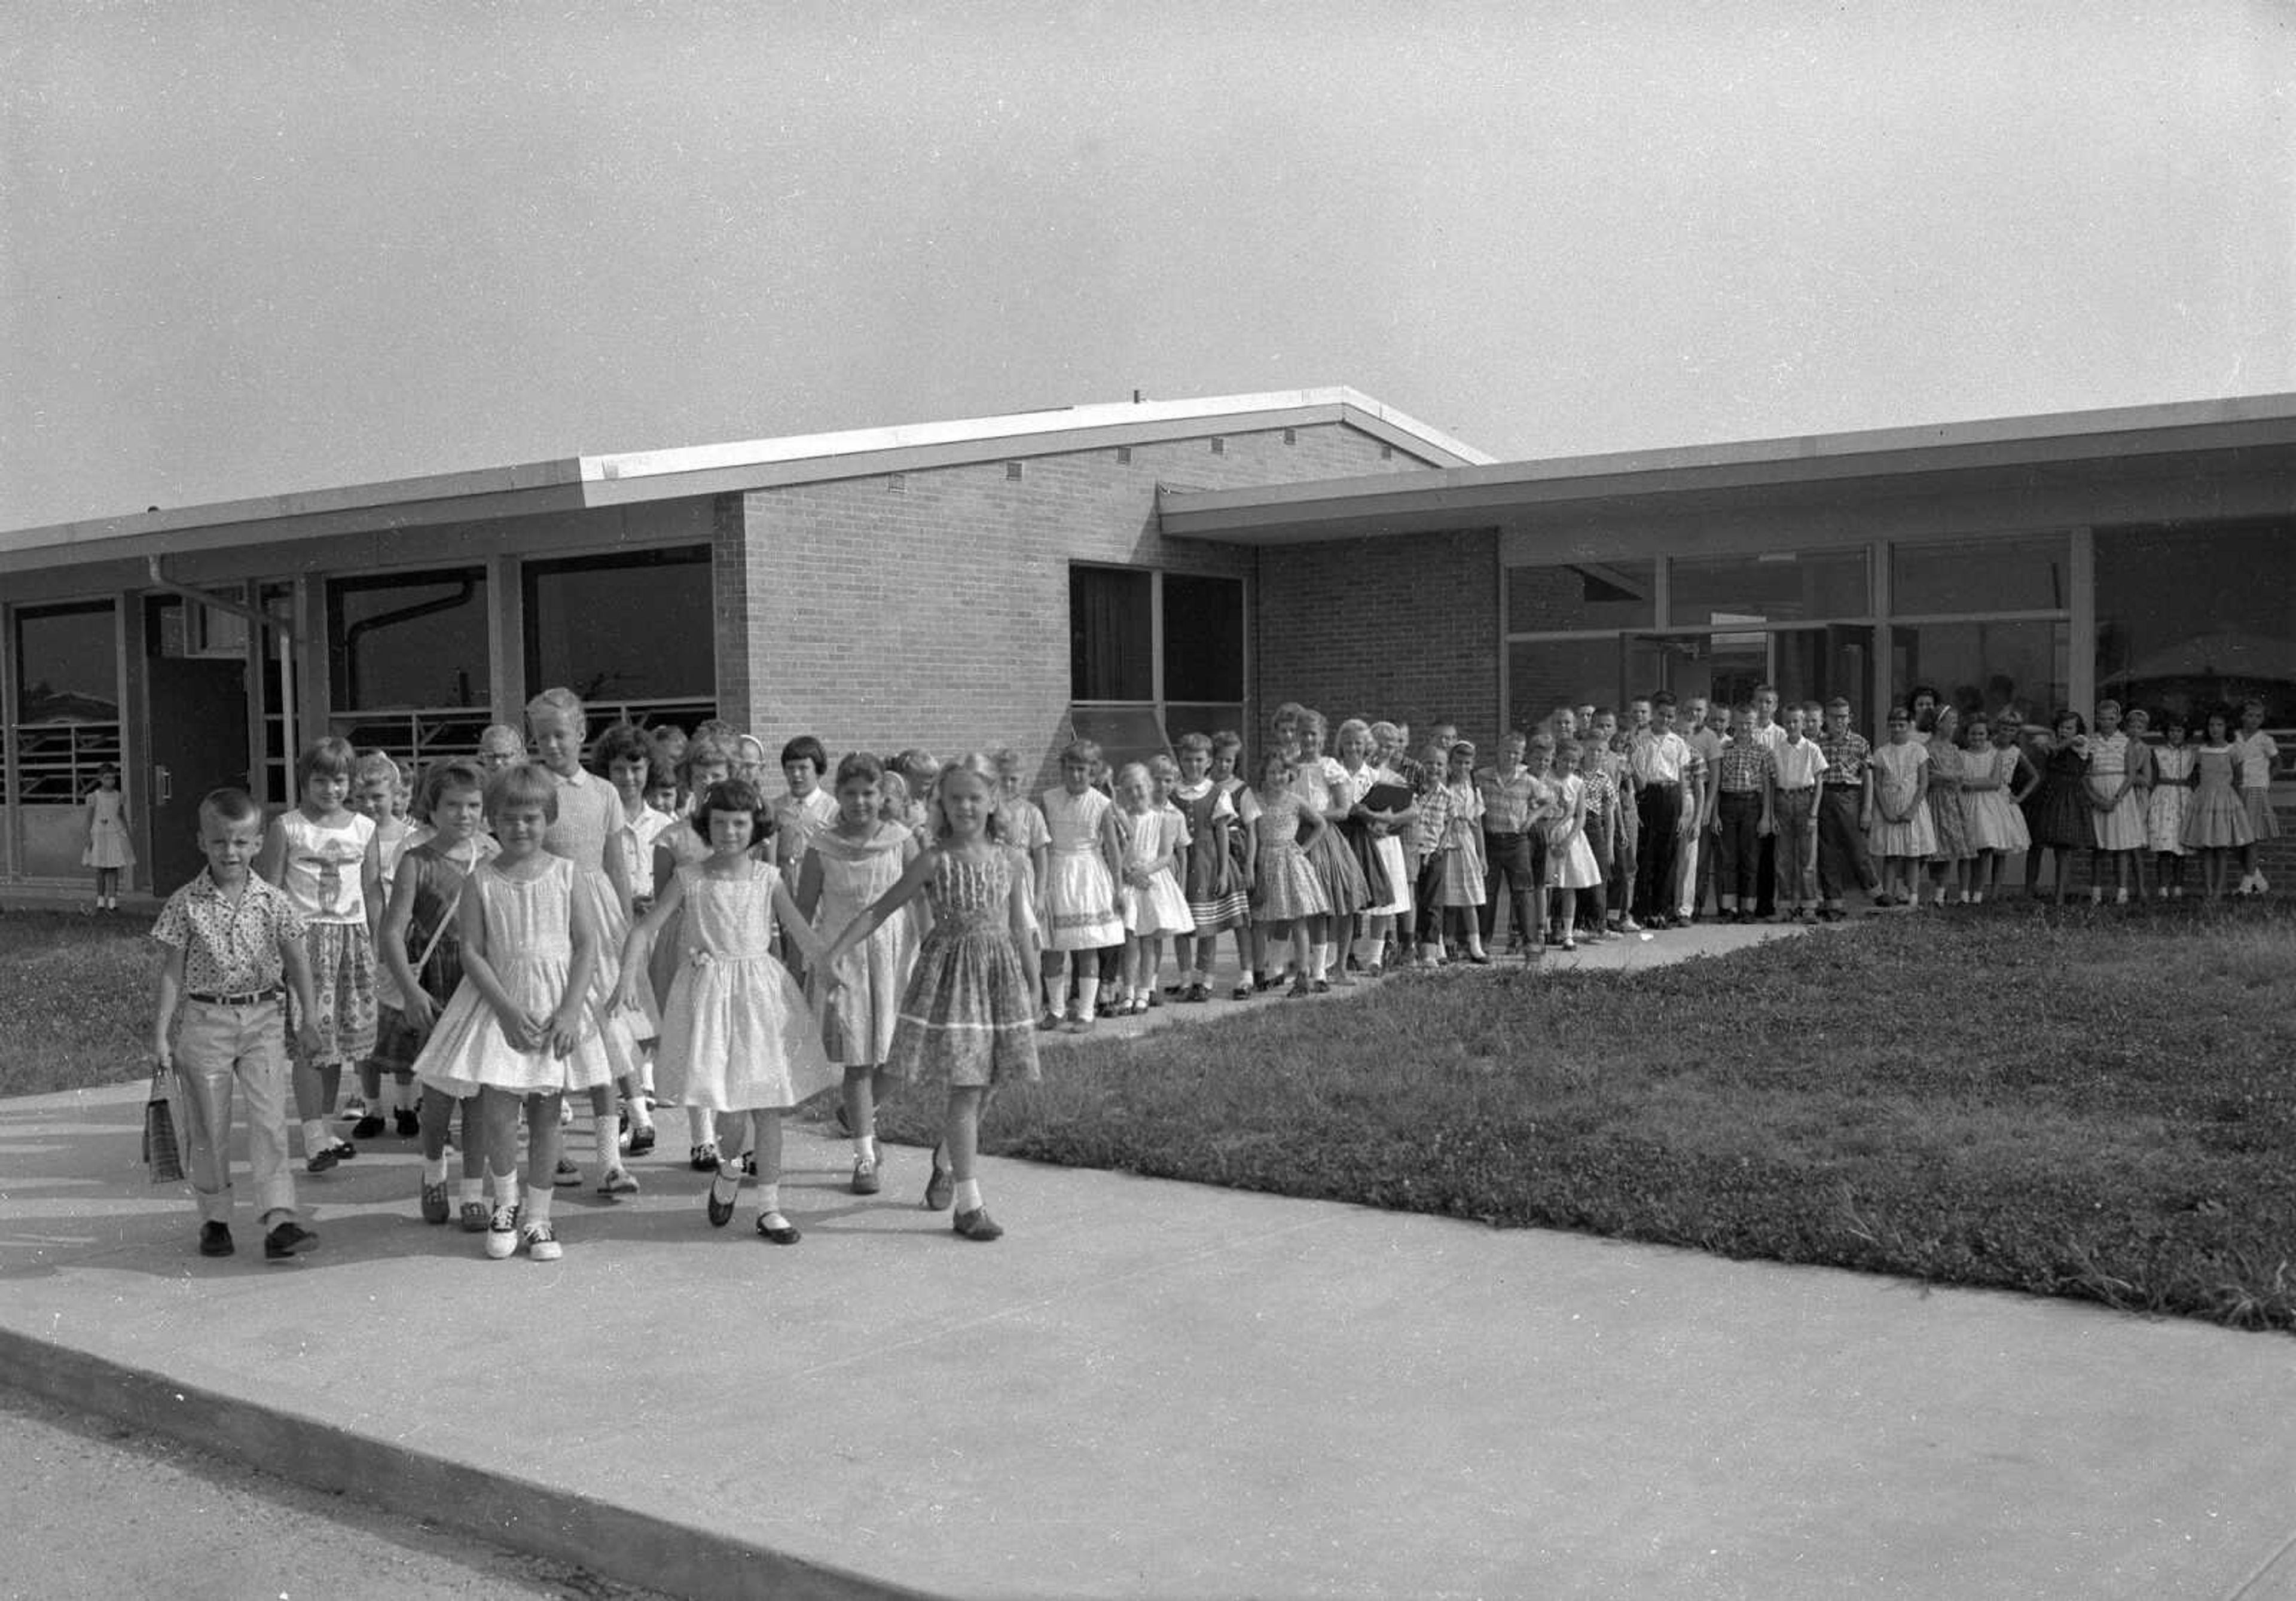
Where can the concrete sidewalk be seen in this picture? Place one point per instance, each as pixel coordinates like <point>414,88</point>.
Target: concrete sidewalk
<point>1149,1389</point>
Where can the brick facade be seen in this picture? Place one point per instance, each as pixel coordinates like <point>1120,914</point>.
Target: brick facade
<point>1404,627</point>
<point>933,610</point>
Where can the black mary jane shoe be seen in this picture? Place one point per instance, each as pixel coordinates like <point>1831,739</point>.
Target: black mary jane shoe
<point>721,1213</point>
<point>786,1234</point>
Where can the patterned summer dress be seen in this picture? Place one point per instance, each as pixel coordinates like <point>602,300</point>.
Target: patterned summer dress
<point>968,1015</point>
<point>736,1032</point>
<point>530,947</point>
<point>1947,763</point>
<point>1570,865</point>
<point>1284,888</point>
<point>1214,899</point>
<point>858,1019</point>
<point>1345,890</point>
<point>2123,827</point>
<point>1990,819</point>
<point>1079,893</point>
<point>1897,774</point>
<point>2172,792</point>
<point>2215,820</point>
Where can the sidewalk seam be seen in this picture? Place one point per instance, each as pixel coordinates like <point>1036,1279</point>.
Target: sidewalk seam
<point>631,1547</point>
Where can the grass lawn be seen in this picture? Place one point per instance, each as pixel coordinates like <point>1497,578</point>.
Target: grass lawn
<point>75,1000</point>
<point>2075,1104</point>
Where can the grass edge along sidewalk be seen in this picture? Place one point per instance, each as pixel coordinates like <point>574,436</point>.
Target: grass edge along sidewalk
<point>2094,1103</point>
<point>2089,1102</point>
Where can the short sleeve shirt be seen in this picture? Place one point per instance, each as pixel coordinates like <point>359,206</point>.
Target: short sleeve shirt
<point>2258,751</point>
<point>589,814</point>
<point>1799,762</point>
<point>1846,755</point>
<point>230,948</point>
<point>1740,768</point>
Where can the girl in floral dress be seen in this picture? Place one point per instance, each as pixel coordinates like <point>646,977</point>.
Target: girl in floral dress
<point>1900,827</point>
<point>1948,767</point>
<point>968,1017</point>
<point>2164,808</point>
<point>1286,895</point>
<point>1991,821</point>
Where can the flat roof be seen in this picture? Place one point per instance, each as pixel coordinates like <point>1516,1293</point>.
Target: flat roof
<point>625,477</point>
<point>2003,449</point>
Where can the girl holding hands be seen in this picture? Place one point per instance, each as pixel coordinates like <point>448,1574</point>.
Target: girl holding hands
<point>737,1036</point>
<point>968,1015</point>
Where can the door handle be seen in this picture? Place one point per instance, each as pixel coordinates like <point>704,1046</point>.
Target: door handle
<point>163,784</point>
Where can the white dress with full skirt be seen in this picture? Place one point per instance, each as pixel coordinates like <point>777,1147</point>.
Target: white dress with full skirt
<point>530,947</point>
<point>736,1032</point>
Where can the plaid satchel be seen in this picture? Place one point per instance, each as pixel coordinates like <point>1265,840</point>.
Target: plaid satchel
<point>161,1153</point>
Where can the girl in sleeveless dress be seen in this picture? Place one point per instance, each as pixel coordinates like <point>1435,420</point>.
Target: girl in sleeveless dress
<point>849,864</point>
<point>737,1036</point>
<point>2164,808</point>
<point>967,1017</point>
<point>323,854</point>
<point>1086,859</point>
<point>2216,824</point>
<point>1321,782</point>
<point>706,762</point>
<point>520,1032</point>
<point>423,950</point>
<point>107,847</point>
<point>1149,891</point>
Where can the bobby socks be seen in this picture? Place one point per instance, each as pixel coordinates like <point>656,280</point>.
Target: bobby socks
<point>608,1137</point>
<point>968,1194</point>
<point>434,1171</point>
<point>315,1138</point>
<point>506,1190</point>
<point>1316,969</point>
<point>1087,995</point>
<point>537,1205</point>
<point>864,1147</point>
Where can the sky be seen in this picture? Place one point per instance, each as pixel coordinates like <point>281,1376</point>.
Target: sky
<point>247,249</point>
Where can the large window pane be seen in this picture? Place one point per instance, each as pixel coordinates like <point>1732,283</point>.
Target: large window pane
<point>1546,673</point>
<point>620,628</point>
<point>1984,665</point>
<point>1203,638</point>
<point>1111,642</point>
<point>1587,595</point>
<point>1123,733</point>
<point>412,639</point>
<point>2027,574</point>
<point>2192,618</point>
<point>1790,587</point>
<point>1818,664</point>
<point>67,667</point>
<point>1206,720</point>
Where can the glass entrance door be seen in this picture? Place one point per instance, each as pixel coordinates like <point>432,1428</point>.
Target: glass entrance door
<point>1706,665</point>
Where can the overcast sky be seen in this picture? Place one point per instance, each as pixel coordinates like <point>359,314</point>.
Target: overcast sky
<point>247,249</point>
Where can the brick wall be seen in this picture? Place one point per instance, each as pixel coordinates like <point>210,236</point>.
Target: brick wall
<point>934,611</point>
<point>1398,628</point>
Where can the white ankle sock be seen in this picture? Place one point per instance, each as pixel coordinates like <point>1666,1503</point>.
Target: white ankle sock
<point>609,1142</point>
<point>1087,996</point>
<point>469,1191</point>
<point>968,1194</point>
<point>769,1198</point>
<point>864,1147</point>
<point>537,1206</point>
<point>506,1190</point>
<point>315,1138</point>
<point>434,1172</point>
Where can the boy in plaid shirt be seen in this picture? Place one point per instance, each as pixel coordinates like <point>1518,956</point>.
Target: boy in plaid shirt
<point>231,938</point>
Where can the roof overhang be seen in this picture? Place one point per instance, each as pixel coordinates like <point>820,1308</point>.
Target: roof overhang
<point>576,483</point>
<point>2251,434</point>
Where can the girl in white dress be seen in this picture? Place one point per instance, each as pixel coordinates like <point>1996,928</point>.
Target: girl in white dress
<point>737,1036</point>
<point>847,868</point>
<point>1154,903</point>
<point>1570,860</point>
<point>1083,862</point>
<point>1991,821</point>
<point>108,848</point>
<point>520,1033</point>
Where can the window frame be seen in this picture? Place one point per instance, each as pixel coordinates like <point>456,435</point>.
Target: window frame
<point>1159,703</point>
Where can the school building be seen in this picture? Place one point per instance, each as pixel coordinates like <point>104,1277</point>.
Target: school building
<point>1132,572</point>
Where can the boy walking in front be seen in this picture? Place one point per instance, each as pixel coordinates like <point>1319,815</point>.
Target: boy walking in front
<point>232,938</point>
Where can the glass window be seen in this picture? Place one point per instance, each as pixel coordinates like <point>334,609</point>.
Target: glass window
<point>1123,733</point>
<point>67,665</point>
<point>2194,617</point>
<point>1790,586</point>
<point>1203,638</point>
<point>1984,665</point>
<point>1205,719</point>
<point>622,629</point>
<point>408,640</point>
<point>1549,673</point>
<point>1111,639</point>
<point>2027,574</point>
<point>1591,594</point>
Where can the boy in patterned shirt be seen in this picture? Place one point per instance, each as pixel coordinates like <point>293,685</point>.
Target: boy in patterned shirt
<point>231,937</point>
